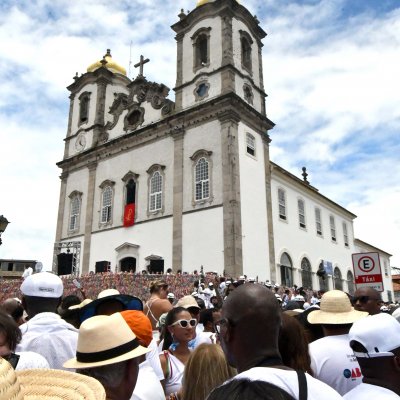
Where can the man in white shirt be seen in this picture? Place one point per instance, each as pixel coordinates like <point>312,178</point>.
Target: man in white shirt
<point>332,359</point>
<point>27,271</point>
<point>45,332</point>
<point>249,330</point>
<point>375,341</point>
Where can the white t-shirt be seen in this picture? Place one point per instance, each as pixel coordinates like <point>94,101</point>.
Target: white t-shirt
<point>27,272</point>
<point>30,360</point>
<point>288,381</point>
<point>148,386</point>
<point>333,362</point>
<point>365,391</point>
<point>50,336</point>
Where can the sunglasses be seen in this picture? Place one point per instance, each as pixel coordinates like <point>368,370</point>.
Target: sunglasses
<point>13,359</point>
<point>363,299</point>
<point>184,323</point>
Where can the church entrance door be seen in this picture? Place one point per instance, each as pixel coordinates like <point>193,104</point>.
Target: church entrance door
<point>128,264</point>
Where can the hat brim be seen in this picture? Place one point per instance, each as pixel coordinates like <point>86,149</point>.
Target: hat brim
<point>57,384</point>
<point>74,363</point>
<point>330,318</point>
<point>128,302</point>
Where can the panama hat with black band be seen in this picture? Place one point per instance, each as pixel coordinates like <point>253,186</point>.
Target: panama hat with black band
<point>105,340</point>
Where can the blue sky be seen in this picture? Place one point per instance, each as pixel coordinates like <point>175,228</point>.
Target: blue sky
<point>330,71</point>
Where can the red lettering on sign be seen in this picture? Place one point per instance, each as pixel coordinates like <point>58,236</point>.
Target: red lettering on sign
<point>368,278</point>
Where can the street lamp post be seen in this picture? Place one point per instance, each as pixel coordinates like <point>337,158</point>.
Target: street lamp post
<point>3,225</point>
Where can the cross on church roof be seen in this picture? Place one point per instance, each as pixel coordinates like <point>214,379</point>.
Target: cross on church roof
<point>140,64</point>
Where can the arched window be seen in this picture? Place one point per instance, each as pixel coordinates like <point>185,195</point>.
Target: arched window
<point>318,223</point>
<point>302,214</point>
<point>156,192</point>
<point>130,192</point>
<point>246,50</point>
<point>333,227</point>
<point>250,144</point>
<point>286,270</point>
<point>202,179</point>
<point>350,283</point>
<point>75,211</point>
<point>201,48</point>
<point>306,276</point>
<point>106,204</point>
<point>337,279</point>
<point>84,100</point>
<point>282,204</point>
<point>345,235</point>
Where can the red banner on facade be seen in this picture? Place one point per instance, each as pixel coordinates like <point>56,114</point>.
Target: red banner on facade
<point>129,215</point>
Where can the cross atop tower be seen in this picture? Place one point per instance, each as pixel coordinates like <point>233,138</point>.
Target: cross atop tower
<point>140,64</point>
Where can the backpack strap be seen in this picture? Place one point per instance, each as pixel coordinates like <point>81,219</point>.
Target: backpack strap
<point>303,391</point>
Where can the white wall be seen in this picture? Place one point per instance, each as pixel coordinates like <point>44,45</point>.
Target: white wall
<point>203,240</point>
<point>153,237</point>
<point>253,207</point>
<point>206,137</point>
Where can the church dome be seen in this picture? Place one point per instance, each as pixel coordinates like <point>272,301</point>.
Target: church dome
<point>110,65</point>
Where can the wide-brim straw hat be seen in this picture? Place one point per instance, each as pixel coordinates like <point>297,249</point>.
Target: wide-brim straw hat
<point>105,340</point>
<point>47,384</point>
<point>335,309</point>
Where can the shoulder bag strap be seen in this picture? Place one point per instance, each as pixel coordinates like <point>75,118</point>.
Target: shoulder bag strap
<point>303,392</point>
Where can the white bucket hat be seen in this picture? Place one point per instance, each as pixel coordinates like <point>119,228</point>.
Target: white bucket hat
<point>335,309</point>
<point>105,340</point>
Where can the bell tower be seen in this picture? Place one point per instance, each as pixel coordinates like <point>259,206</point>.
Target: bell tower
<point>219,51</point>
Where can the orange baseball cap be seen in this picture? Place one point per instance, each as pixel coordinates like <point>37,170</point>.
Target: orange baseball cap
<point>139,324</point>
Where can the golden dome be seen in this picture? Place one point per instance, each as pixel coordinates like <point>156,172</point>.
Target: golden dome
<point>201,2</point>
<point>110,65</point>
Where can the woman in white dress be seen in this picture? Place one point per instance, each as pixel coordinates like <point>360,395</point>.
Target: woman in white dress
<point>179,332</point>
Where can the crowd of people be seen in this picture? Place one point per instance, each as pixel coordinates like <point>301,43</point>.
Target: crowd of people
<point>194,337</point>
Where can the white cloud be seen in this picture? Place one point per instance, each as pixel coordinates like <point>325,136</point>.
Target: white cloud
<point>333,90</point>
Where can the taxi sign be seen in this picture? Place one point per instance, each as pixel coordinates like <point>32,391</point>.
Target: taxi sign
<point>367,271</point>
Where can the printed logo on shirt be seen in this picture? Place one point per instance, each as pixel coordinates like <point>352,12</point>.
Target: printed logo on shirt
<point>353,374</point>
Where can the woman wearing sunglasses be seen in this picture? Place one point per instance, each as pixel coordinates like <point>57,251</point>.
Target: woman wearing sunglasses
<point>179,331</point>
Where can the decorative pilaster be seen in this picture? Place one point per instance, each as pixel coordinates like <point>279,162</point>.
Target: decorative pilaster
<point>260,74</point>
<point>71,110</point>
<point>268,196</point>
<point>61,207</point>
<point>89,217</point>
<point>177,134</point>
<point>233,260</point>
<point>179,70</point>
<point>227,74</point>
<point>99,131</point>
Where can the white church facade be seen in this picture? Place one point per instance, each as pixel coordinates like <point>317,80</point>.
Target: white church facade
<point>150,183</point>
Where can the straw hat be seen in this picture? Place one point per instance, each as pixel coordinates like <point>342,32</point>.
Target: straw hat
<point>80,305</point>
<point>47,384</point>
<point>335,309</point>
<point>105,340</point>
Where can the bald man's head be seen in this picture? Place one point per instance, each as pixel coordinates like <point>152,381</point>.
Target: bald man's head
<point>367,299</point>
<point>251,320</point>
